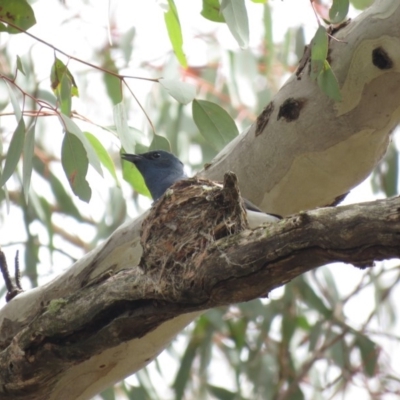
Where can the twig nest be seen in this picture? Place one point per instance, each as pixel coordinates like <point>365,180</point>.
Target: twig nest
<point>190,217</point>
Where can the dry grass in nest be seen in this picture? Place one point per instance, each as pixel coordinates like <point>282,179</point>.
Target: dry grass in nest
<point>189,218</point>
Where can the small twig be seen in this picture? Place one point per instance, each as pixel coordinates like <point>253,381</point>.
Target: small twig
<point>4,271</point>
<point>17,271</point>
<point>12,290</point>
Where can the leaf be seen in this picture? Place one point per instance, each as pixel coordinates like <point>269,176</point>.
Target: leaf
<point>183,374</point>
<point>60,71</point>
<point>160,143</point>
<point>369,353</point>
<point>180,91</point>
<point>132,175</point>
<point>311,299</point>
<point>361,4</point>
<point>221,393</point>
<point>103,155</point>
<point>328,83</point>
<point>214,123</point>
<point>72,127</point>
<point>211,10</point>
<point>14,152</point>
<point>126,43</point>
<point>17,12</point>
<point>112,82</point>
<point>122,128</point>
<point>65,96</point>
<point>28,152</point>
<point>235,14</point>
<point>385,175</point>
<point>315,335</point>
<point>338,11</point>
<point>75,164</point>
<point>173,25</point>
<point>319,52</point>
<point>63,199</point>
<point>14,102</point>
<point>20,66</point>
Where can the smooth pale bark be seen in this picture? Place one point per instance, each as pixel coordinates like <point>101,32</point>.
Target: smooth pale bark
<point>103,320</point>
<point>306,150</point>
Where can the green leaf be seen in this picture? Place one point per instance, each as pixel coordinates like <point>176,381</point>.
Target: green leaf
<point>17,12</point>
<point>214,123</point>
<point>63,199</point>
<point>173,25</point>
<point>20,66</point>
<point>328,83</point>
<point>369,353</point>
<point>182,377</point>
<point>63,84</point>
<point>180,91</point>
<point>338,11</point>
<point>65,96</point>
<point>132,175</point>
<point>221,393</point>
<point>103,155</point>
<point>311,299</point>
<point>14,102</point>
<point>315,335</point>
<point>28,152</point>
<point>72,127</point>
<point>319,52</point>
<point>211,10</point>
<point>160,143</point>
<point>75,164</point>
<point>268,38</point>
<point>122,128</point>
<point>126,43</point>
<point>235,14</point>
<point>361,4</point>
<point>14,152</point>
<point>339,350</point>
<point>385,175</point>
<point>112,82</point>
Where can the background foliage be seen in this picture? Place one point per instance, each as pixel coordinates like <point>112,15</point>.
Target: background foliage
<point>90,80</point>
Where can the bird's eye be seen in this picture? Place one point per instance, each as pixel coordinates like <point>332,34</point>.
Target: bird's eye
<point>155,155</point>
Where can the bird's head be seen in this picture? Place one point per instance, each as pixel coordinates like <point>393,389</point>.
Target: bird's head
<point>159,168</point>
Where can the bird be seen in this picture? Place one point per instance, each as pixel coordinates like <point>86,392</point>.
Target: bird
<point>160,169</point>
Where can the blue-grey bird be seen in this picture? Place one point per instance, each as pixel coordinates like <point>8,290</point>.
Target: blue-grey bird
<point>160,169</point>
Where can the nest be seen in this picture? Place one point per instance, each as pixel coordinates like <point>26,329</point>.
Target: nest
<point>185,222</point>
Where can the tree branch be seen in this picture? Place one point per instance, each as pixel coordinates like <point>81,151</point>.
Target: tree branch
<point>211,260</point>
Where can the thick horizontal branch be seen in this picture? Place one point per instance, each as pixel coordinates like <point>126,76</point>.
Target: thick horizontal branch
<point>199,271</point>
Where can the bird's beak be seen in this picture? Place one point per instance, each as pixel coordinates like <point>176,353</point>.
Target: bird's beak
<point>133,158</point>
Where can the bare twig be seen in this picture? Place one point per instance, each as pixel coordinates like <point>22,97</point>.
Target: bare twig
<point>12,289</point>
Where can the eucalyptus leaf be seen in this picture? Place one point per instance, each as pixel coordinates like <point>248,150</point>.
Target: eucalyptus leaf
<point>103,155</point>
<point>75,163</point>
<point>17,12</point>
<point>72,127</point>
<point>14,152</point>
<point>180,91</point>
<point>122,128</point>
<point>28,153</point>
<point>235,14</point>
<point>173,25</point>
<point>214,123</point>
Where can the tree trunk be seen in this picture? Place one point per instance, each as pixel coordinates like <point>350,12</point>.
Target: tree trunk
<point>114,310</point>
